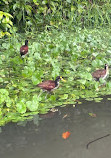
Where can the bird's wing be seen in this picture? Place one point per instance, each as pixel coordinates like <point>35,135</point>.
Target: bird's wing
<point>48,85</point>
<point>99,73</point>
<point>24,49</point>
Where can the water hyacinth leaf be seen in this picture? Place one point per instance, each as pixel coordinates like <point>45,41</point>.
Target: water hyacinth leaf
<point>86,75</point>
<point>98,99</point>
<point>96,85</point>
<point>94,63</point>
<point>8,102</point>
<point>4,45</point>
<point>72,55</point>
<point>88,69</point>
<point>35,80</point>
<point>70,79</point>
<point>108,98</point>
<point>4,91</point>
<point>1,79</point>
<point>82,81</point>
<point>30,113</point>
<point>101,81</point>
<point>34,104</point>
<point>37,56</point>
<point>65,96</point>
<point>21,107</point>
<point>109,84</point>
<point>52,98</point>
<point>89,76</point>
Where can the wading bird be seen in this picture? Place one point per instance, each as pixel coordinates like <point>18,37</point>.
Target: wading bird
<point>24,48</point>
<point>101,73</point>
<point>50,85</point>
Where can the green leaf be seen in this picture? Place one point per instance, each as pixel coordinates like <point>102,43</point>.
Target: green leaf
<point>82,81</point>
<point>21,107</point>
<point>98,99</point>
<point>32,106</point>
<point>1,15</point>
<point>65,96</point>
<point>1,79</point>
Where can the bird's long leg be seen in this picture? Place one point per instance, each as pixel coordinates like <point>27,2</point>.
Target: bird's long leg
<point>46,95</point>
<point>40,93</point>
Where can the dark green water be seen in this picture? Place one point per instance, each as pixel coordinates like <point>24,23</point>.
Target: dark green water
<point>44,140</point>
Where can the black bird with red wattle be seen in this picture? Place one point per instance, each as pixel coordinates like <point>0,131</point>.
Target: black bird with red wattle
<point>24,48</point>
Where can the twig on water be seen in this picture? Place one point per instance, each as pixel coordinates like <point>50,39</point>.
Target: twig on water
<point>87,146</point>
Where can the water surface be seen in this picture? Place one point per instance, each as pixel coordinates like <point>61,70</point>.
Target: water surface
<point>45,140</point>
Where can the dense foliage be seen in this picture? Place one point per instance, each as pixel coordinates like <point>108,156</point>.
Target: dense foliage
<point>6,24</point>
<point>58,45</point>
<point>72,55</point>
<point>35,15</point>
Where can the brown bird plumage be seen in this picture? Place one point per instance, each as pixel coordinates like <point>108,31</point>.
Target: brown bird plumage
<point>50,85</point>
<point>102,73</point>
<point>24,48</point>
<point>47,85</point>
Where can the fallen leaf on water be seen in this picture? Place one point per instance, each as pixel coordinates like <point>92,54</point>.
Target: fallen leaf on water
<point>65,135</point>
<point>65,116</point>
<point>54,110</point>
<point>92,114</point>
<point>77,100</point>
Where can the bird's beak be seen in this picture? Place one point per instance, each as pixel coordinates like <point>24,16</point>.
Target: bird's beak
<point>62,79</point>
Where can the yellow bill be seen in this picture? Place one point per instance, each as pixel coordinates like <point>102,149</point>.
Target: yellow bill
<point>62,79</point>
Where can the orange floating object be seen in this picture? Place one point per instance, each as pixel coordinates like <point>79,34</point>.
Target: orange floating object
<point>65,135</point>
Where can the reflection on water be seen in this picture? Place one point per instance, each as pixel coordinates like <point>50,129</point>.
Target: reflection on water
<point>43,138</point>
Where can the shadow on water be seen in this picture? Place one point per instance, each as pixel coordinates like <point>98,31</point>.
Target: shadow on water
<point>45,139</point>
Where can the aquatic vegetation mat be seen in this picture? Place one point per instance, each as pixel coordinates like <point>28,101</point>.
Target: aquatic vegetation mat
<point>72,55</point>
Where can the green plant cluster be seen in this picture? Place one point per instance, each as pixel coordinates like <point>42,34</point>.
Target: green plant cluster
<point>73,55</point>
<point>35,15</point>
<point>5,24</point>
